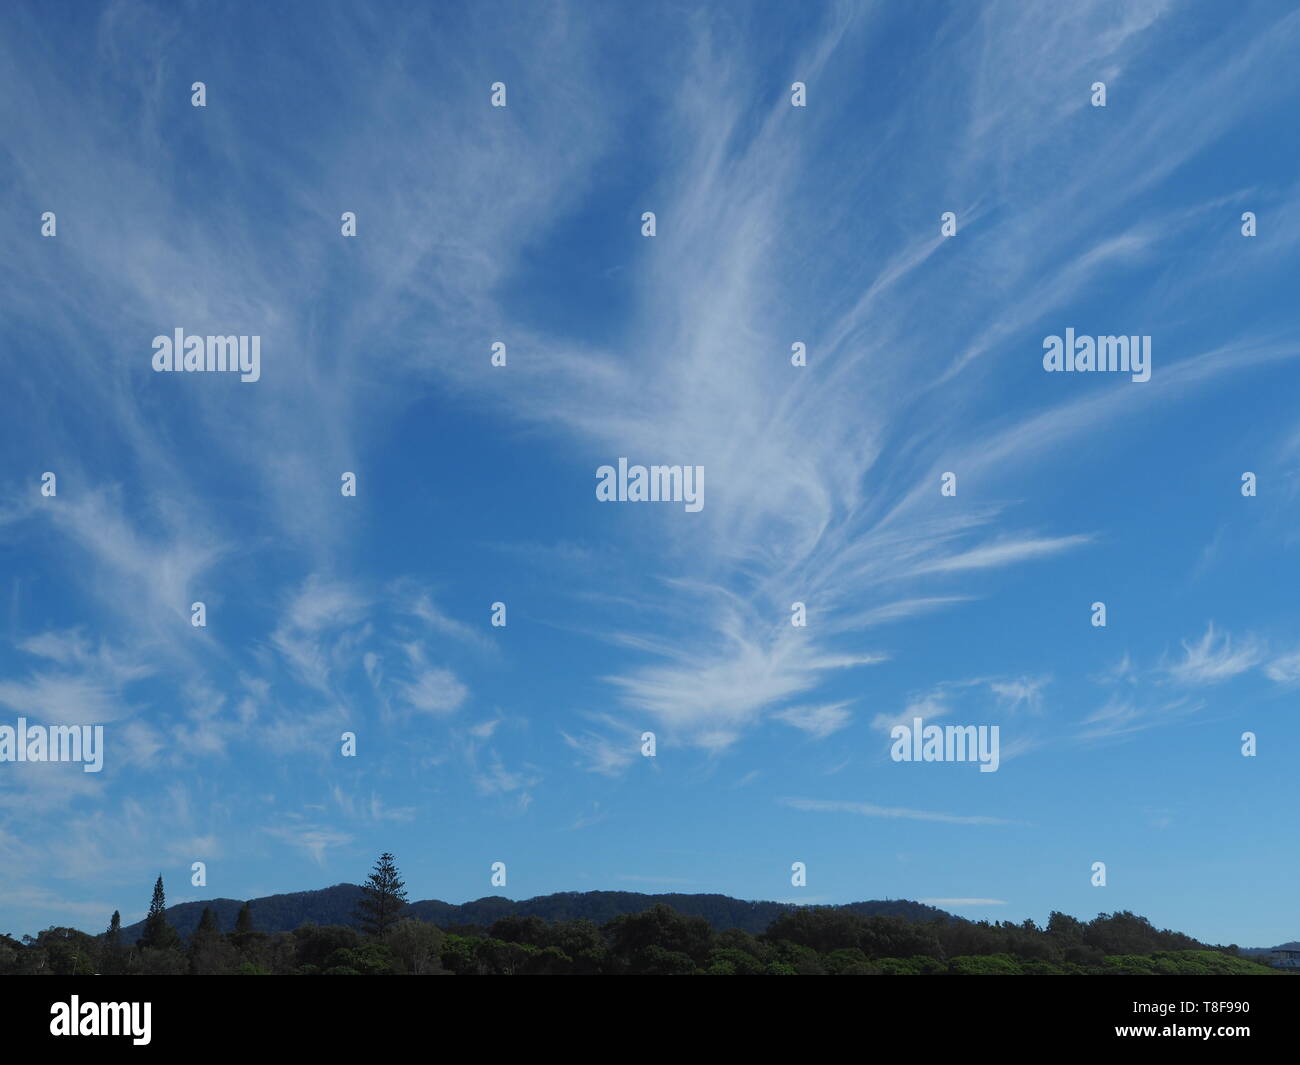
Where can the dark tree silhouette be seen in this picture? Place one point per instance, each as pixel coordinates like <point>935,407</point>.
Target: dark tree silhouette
<point>158,933</point>
<point>114,956</point>
<point>383,897</point>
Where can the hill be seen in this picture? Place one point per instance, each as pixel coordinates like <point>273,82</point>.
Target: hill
<point>335,905</point>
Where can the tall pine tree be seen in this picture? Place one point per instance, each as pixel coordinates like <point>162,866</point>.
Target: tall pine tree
<point>205,943</point>
<point>114,959</point>
<point>383,897</point>
<point>158,933</point>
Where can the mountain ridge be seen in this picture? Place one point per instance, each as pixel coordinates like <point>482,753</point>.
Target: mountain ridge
<point>335,905</point>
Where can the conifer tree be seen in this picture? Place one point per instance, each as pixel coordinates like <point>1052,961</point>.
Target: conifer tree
<point>114,956</point>
<point>205,943</point>
<point>158,932</point>
<point>207,923</point>
<point>383,897</point>
<point>248,942</point>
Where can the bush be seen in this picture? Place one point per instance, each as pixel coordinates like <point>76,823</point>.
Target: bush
<point>914,966</point>
<point>416,947</point>
<point>985,965</point>
<point>849,961</point>
<point>737,961</point>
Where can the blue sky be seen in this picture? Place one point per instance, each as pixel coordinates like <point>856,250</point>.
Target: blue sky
<point>775,224</point>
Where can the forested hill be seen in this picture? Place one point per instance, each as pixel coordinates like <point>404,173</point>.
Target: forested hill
<point>335,905</point>
<point>721,911</point>
<point>272,913</point>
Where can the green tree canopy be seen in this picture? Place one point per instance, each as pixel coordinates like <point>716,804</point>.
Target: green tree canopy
<point>158,933</point>
<point>383,897</point>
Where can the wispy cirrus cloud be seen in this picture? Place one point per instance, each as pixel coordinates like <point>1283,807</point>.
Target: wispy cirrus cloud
<point>1213,659</point>
<point>1120,716</point>
<point>828,523</point>
<point>609,751</point>
<point>1285,668</point>
<point>866,809</point>
<point>314,840</point>
<point>817,721</point>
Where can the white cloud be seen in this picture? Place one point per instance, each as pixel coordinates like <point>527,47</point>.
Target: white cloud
<point>1211,660</point>
<point>308,636</point>
<point>609,755</point>
<point>927,707</point>
<point>818,721</point>
<point>1285,669</point>
<point>496,779</point>
<point>1120,716</point>
<point>63,699</point>
<point>1020,692</point>
<point>866,809</point>
<point>434,691</point>
<point>1002,553</point>
<point>314,840</point>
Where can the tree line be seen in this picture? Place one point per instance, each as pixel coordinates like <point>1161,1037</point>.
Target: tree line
<point>812,940</point>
